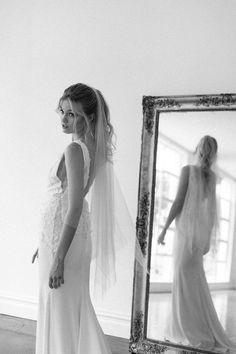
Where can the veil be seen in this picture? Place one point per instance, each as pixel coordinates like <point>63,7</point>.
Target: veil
<point>112,227</point>
<point>198,221</point>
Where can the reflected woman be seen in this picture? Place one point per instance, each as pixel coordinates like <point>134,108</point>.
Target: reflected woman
<point>194,319</point>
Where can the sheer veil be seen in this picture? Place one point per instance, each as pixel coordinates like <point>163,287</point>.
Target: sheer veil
<point>111,223</point>
<point>198,220</point>
<point>201,208</point>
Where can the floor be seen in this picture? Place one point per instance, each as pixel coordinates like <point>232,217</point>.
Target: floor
<point>17,336</point>
<point>159,311</point>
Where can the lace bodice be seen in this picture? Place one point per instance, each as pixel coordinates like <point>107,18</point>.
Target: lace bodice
<point>55,205</point>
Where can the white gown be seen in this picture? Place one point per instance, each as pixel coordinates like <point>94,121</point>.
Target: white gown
<point>194,319</point>
<point>66,322</point>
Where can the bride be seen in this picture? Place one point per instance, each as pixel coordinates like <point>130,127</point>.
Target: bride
<point>71,234</point>
<point>194,319</point>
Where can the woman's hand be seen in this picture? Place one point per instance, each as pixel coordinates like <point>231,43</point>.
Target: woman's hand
<point>56,275</point>
<point>161,237</point>
<point>36,254</point>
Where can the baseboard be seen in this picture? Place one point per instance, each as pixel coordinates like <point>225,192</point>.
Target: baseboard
<point>18,306</point>
<point>113,324</point>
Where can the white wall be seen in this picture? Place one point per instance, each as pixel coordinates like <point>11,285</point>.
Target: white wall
<point>127,49</point>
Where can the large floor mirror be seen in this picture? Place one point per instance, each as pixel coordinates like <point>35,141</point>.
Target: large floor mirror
<point>184,298</point>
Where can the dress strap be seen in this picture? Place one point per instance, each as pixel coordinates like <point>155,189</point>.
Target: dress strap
<point>84,148</point>
<point>86,159</point>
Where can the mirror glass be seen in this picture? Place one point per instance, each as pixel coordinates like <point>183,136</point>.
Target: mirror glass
<point>179,134</point>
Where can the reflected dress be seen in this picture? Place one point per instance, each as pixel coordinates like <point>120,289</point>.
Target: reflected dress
<point>194,320</point>
<point>66,320</point>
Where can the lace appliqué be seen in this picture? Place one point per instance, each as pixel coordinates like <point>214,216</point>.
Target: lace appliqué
<point>53,211</point>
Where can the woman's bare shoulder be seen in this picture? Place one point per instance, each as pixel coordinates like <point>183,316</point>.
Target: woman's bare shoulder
<point>184,174</point>
<point>186,167</point>
<point>73,148</point>
<point>73,153</point>
<point>185,170</point>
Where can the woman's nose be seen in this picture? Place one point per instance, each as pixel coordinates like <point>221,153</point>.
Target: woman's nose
<point>64,118</point>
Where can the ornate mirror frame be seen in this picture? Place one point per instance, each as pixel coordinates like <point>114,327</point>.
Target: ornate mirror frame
<point>152,107</point>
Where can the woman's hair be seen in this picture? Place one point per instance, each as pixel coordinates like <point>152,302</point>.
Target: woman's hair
<point>86,96</point>
<point>207,151</point>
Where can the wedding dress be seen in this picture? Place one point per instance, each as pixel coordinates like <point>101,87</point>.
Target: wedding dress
<point>194,319</point>
<point>66,322</point>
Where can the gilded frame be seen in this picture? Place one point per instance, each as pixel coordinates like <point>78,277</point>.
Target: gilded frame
<point>152,107</point>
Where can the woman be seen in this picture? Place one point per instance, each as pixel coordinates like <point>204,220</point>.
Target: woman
<point>194,320</point>
<point>70,238</point>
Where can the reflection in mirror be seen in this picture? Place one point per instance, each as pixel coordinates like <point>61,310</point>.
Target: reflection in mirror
<point>182,307</point>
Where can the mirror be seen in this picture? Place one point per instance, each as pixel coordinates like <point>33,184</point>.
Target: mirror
<point>179,134</point>
<point>178,294</point>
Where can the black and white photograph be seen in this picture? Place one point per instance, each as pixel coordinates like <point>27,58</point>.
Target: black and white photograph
<point>118,176</point>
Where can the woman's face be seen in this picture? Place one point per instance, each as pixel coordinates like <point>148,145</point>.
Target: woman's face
<point>71,121</point>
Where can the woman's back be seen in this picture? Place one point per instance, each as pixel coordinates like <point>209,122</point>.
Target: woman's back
<point>198,215</point>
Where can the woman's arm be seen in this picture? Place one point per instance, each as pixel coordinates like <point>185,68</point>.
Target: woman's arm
<point>75,175</point>
<point>178,202</point>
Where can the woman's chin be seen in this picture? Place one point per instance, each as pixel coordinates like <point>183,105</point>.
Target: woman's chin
<point>66,131</point>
